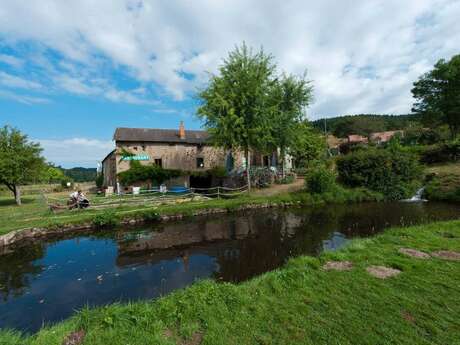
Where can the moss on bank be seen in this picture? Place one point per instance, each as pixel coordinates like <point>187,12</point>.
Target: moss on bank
<point>298,304</point>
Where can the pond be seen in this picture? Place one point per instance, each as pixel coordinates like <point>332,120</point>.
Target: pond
<point>46,282</point>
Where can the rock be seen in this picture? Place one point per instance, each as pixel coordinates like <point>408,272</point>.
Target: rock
<point>382,272</point>
<point>447,255</point>
<point>414,253</point>
<point>338,265</point>
<point>74,338</point>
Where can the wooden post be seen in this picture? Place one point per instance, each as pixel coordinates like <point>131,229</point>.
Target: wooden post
<point>248,168</point>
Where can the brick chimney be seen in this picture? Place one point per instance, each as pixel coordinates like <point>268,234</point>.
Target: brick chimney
<point>181,130</point>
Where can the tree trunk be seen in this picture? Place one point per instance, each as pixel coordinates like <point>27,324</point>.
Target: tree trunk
<point>282,154</point>
<point>17,194</point>
<point>248,168</point>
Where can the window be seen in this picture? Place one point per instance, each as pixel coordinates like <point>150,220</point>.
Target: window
<point>159,162</point>
<point>200,162</point>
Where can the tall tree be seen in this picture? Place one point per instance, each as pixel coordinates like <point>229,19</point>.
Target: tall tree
<point>290,95</point>
<point>307,145</point>
<point>20,160</point>
<point>235,103</point>
<point>437,94</point>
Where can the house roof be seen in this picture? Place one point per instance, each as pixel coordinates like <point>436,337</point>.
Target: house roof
<point>108,155</point>
<point>159,135</point>
<point>356,138</point>
<point>385,136</point>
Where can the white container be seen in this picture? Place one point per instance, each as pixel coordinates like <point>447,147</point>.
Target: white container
<point>136,190</point>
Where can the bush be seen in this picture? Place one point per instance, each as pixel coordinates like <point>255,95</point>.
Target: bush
<point>149,215</point>
<point>393,173</point>
<point>99,180</point>
<point>288,179</point>
<point>441,153</point>
<point>154,173</point>
<point>105,219</point>
<point>320,180</point>
<point>443,187</point>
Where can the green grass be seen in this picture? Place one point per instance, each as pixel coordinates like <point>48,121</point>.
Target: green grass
<point>445,185</point>
<point>299,303</point>
<point>34,211</point>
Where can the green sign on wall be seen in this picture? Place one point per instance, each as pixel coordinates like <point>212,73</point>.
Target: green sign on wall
<point>136,158</point>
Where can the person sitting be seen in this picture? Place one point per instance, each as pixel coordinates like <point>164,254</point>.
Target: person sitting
<point>78,199</point>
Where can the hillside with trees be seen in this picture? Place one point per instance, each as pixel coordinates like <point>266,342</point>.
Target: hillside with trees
<point>80,174</point>
<point>364,124</point>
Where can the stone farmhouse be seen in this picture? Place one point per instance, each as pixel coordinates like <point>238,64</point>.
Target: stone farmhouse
<point>169,148</point>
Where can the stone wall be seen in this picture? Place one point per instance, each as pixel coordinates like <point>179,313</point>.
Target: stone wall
<point>109,169</point>
<point>175,156</point>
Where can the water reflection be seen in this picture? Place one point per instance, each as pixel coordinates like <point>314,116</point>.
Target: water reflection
<point>46,282</point>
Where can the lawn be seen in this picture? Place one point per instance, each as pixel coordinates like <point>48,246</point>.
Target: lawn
<point>300,303</point>
<point>445,185</point>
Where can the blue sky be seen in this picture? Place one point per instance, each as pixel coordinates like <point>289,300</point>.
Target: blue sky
<point>71,72</point>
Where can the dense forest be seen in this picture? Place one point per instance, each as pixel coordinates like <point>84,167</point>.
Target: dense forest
<point>365,124</point>
<point>81,174</point>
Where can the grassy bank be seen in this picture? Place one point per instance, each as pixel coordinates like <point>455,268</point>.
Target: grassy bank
<point>445,184</point>
<point>300,303</point>
<point>34,212</point>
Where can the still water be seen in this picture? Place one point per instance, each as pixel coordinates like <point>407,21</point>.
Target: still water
<point>47,281</point>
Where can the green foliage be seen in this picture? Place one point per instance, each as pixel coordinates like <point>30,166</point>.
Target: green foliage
<point>99,180</point>
<point>306,145</point>
<point>235,103</point>
<point>443,187</point>
<point>106,219</point>
<point>20,160</point>
<point>417,135</point>
<point>149,215</point>
<point>79,174</point>
<point>441,153</point>
<point>289,96</point>
<point>365,124</point>
<point>141,173</point>
<point>394,173</point>
<point>320,180</point>
<point>51,174</point>
<point>218,172</point>
<point>437,95</point>
<point>288,179</point>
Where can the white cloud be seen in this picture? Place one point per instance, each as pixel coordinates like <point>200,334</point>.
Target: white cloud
<point>12,81</point>
<point>25,99</point>
<point>11,60</point>
<point>362,55</point>
<point>75,151</point>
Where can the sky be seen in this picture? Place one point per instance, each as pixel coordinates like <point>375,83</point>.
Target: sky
<point>73,71</point>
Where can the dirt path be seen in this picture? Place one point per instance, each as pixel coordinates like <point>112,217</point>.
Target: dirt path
<point>280,188</point>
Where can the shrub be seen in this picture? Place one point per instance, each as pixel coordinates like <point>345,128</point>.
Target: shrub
<point>99,180</point>
<point>154,173</point>
<point>288,179</point>
<point>445,187</point>
<point>105,219</point>
<point>149,215</point>
<point>393,173</point>
<point>441,153</point>
<point>320,180</point>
